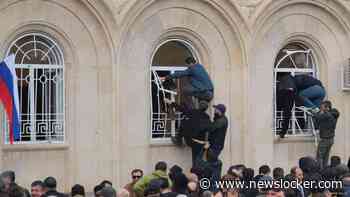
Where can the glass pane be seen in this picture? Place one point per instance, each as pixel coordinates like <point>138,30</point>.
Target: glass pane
<point>23,82</point>
<point>36,49</point>
<point>40,87</point>
<point>173,53</point>
<point>168,58</point>
<point>49,104</point>
<point>291,59</point>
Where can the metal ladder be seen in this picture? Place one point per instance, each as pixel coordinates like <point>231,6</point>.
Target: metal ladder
<point>309,116</point>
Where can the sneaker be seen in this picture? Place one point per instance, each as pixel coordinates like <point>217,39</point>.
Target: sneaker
<point>282,135</point>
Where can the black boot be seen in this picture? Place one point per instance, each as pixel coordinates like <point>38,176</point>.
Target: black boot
<point>177,140</point>
<point>282,134</point>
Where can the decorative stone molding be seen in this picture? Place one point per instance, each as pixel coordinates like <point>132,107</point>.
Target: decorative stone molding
<point>120,5</point>
<point>248,6</point>
<point>249,3</point>
<point>345,3</point>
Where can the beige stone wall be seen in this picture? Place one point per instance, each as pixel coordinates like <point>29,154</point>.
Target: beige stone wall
<point>86,155</point>
<point>108,45</point>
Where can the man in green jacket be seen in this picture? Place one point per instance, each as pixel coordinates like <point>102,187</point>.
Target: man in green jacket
<point>326,121</point>
<point>160,172</point>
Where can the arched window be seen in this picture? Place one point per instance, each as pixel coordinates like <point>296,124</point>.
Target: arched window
<point>40,73</point>
<point>294,59</point>
<point>169,57</point>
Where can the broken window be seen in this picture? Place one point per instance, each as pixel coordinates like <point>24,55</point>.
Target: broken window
<point>169,58</point>
<point>294,59</point>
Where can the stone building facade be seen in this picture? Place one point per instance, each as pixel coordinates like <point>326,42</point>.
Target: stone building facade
<point>108,48</point>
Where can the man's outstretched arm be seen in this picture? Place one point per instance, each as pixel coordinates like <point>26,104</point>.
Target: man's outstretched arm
<point>179,74</point>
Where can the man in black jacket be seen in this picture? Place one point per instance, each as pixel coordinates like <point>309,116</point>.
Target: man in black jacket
<point>217,131</point>
<point>50,184</point>
<point>326,120</point>
<point>286,90</point>
<point>193,128</point>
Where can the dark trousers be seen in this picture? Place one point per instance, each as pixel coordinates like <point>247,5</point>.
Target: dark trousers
<point>206,95</point>
<point>196,151</point>
<point>323,150</point>
<point>214,153</point>
<point>285,102</point>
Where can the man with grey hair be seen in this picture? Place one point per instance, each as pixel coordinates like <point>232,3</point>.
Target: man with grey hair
<point>8,177</point>
<point>10,186</point>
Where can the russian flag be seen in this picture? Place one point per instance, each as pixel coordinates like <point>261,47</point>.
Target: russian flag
<point>9,96</point>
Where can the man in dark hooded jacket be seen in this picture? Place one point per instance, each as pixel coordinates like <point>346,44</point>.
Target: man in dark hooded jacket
<point>193,128</point>
<point>326,121</point>
<point>286,93</point>
<point>217,131</point>
<point>51,188</point>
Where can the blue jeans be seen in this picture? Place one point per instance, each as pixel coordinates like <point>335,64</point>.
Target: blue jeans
<point>313,96</point>
<point>206,95</point>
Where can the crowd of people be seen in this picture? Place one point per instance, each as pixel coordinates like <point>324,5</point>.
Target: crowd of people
<point>177,182</point>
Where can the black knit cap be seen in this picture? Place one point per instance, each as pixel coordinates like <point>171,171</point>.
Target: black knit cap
<point>220,107</point>
<point>50,182</point>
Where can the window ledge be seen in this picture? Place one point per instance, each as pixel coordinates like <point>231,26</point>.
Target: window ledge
<point>293,139</point>
<point>31,147</point>
<point>161,142</point>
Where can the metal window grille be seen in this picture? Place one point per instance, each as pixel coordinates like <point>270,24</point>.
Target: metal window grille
<point>299,124</point>
<point>164,122</point>
<point>40,74</point>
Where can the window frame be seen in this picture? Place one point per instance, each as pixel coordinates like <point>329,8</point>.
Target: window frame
<point>171,69</point>
<point>293,70</point>
<point>58,67</point>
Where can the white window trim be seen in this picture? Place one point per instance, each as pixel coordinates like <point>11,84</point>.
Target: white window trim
<point>58,57</point>
<point>294,70</point>
<point>165,140</point>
